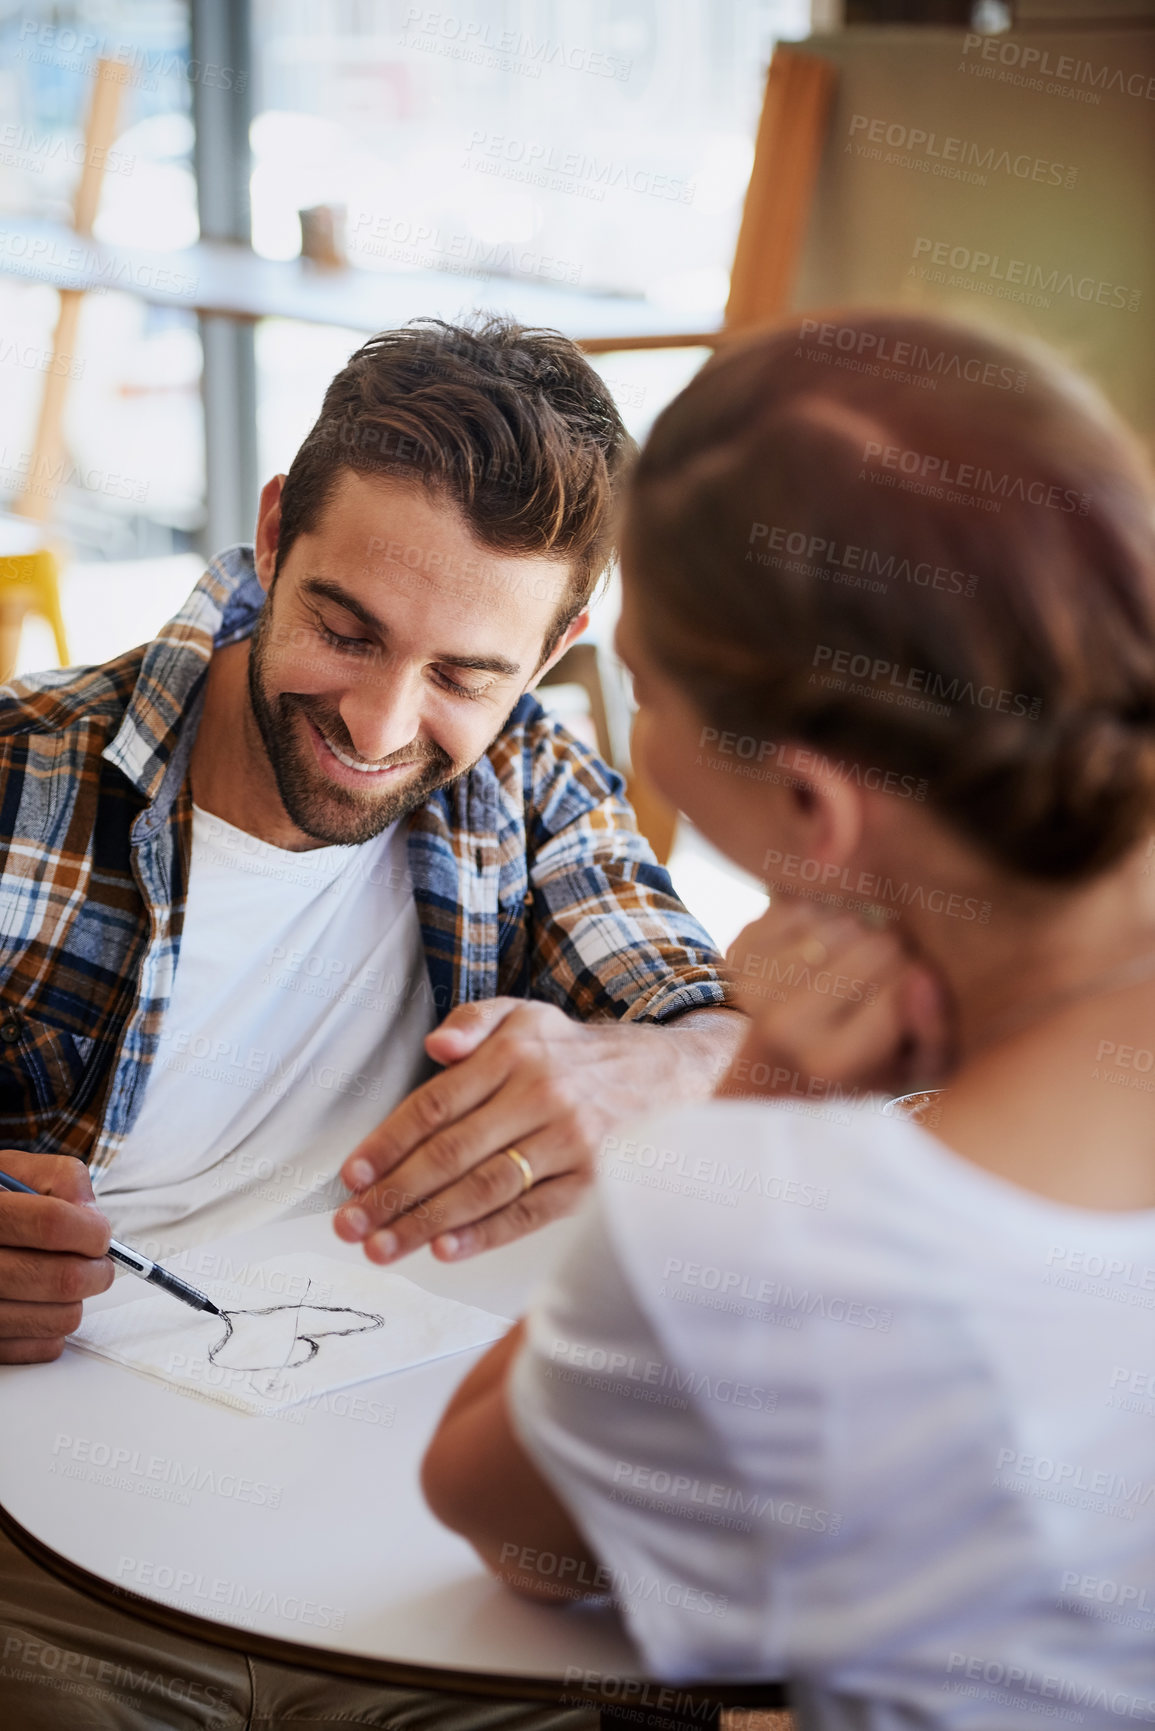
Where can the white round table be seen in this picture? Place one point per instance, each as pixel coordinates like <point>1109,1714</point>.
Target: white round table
<point>313,1536</point>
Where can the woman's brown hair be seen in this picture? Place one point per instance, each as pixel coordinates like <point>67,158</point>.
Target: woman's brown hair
<point>926,548</point>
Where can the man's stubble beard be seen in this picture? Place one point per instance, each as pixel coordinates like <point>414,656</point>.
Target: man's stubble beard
<point>329,814</point>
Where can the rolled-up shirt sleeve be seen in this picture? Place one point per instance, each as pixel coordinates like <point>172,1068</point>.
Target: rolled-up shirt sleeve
<point>609,935</point>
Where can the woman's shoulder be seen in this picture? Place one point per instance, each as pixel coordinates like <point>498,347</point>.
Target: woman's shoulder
<point>725,1204</point>
<point>750,1159</point>
<point>734,1186</point>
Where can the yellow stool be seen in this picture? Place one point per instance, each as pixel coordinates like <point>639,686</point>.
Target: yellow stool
<point>29,583</point>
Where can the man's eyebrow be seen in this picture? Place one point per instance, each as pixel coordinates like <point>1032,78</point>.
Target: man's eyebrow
<point>481,663</point>
<point>325,589</point>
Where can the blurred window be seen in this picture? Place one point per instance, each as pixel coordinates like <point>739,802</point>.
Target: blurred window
<point>132,482</point>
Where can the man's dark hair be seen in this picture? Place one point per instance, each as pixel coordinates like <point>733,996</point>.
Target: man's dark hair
<point>512,424</point>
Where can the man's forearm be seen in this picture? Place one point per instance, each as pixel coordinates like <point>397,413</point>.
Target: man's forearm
<point>707,1042</point>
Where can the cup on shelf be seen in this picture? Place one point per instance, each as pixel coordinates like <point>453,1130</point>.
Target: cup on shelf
<point>323,235</point>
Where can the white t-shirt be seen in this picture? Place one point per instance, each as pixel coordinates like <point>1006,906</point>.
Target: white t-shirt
<point>830,1402</point>
<point>299,1007</point>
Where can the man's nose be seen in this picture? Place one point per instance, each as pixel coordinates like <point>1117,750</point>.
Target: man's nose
<point>383,712</point>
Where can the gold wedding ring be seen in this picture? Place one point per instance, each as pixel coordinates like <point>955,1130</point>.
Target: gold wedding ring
<point>814,952</point>
<point>523,1166</point>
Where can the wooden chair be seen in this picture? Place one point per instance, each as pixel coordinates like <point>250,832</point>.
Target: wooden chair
<point>787,150</point>
<point>29,572</point>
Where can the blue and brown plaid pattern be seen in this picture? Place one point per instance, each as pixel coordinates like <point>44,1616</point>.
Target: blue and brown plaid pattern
<point>529,875</point>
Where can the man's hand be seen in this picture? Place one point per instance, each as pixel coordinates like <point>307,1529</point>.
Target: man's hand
<point>833,1003</point>
<point>53,1255</point>
<point>518,1075</point>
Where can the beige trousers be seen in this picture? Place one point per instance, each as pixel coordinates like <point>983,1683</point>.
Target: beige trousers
<point>70,1663</point>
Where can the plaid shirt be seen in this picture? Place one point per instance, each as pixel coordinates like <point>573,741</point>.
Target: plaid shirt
<point>529,876</point>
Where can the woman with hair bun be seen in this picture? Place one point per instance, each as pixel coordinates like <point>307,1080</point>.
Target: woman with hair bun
<point>868,1401</point>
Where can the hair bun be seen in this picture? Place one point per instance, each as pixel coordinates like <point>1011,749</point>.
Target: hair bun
<point>1087,797</point>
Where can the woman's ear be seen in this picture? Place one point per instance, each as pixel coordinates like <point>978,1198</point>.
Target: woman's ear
<point>826,814</point>
<point>268,531</point>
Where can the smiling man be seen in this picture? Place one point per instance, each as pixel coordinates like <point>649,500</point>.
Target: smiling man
<point>309,896</point>
<point>318,841</point>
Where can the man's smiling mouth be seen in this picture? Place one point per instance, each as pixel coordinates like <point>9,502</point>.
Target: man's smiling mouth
<point>355,763</point>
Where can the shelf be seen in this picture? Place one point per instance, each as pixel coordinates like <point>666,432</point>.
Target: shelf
<point>223,278</point>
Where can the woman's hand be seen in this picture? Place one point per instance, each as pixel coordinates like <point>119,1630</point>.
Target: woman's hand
<point>835,1006</point>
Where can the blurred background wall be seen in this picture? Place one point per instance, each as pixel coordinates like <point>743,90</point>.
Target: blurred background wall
<point>1006,178</point>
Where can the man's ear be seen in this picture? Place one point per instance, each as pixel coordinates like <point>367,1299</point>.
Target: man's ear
<point>570,635</point>
<point>268,531</point>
